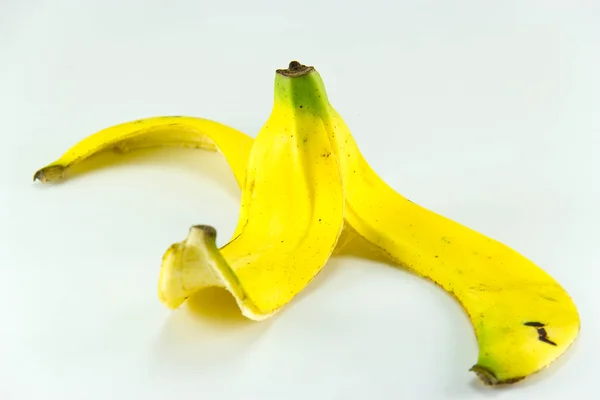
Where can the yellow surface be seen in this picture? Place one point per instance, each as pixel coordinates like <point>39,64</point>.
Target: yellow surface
<point>301,180</point>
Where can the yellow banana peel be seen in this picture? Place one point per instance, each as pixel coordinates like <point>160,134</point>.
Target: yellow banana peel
<point>303,182</point>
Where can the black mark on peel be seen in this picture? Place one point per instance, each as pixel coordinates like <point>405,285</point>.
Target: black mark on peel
<point>546,340</point>
<point>548,298</point>
<point>542,334</point>
<point>535,324</point>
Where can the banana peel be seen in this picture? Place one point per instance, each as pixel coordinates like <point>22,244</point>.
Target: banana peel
<point>306,191</point>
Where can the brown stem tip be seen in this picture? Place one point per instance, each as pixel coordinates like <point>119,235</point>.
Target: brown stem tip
<point>49,174</point>
<point>488,377</point>
<point>209,231</point>
<point>295,69</point>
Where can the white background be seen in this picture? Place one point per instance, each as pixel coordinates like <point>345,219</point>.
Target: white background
<point>486,112</point>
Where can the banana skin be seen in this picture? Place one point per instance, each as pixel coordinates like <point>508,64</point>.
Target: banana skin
<point>291,216</point>
<point>523,319</point>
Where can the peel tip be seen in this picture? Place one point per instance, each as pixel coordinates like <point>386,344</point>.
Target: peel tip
<point>295,69</point>
<point>39,176</point>
<point>209,231</point>
<point>51,173</point>
<point>489,378</point>
<point>485,375</point>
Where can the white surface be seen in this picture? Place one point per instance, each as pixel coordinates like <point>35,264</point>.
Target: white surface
<point>487,112</point>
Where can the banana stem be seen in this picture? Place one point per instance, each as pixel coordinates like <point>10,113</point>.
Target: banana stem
<point>295,69</point>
